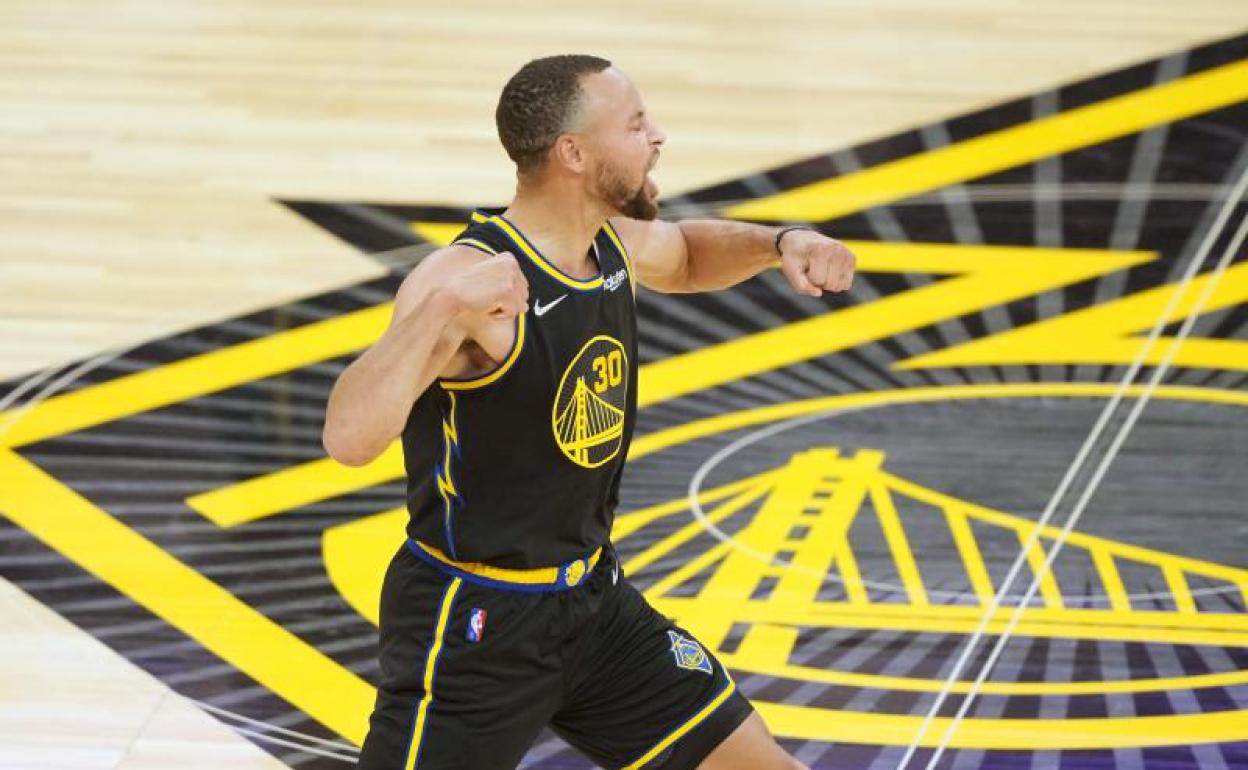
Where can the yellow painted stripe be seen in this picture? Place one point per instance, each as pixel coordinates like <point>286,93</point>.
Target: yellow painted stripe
<point>224,625</point>
<point>972,559</point>
<point>1049,591</point>
<point>536,257</point>
<point>688,569</point>
<point>983,276</point>
<point>1113,332</point>
<point>839,726</point>
<point>628,523</point>
<point>899,544</point>
<point>1111,579</point>
<point>690,431</point>
<point>691,723</point>
<point>847,566</point>
<point>480,382</point>
<point>741,664</point>
<point>1004,149</point>
<point>293,487</point>
<point>431,663</point>
<point>628,260</point>
<point>1121,550</point>
<point>1183,600</point>
<point>198,375</point>
<point>1167,627</point>
<point>694,528</point>
<point>439,233</point>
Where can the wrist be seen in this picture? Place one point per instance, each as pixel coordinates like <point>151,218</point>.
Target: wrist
<point>783,231</point>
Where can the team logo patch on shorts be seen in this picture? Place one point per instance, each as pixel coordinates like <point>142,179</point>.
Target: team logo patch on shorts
<point>689,654</point>
<point>476,624</point>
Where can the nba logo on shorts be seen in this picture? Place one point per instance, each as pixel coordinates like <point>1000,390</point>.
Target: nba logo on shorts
<point>476,624</point>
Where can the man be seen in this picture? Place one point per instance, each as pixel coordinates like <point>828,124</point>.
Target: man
<point>509,372</point>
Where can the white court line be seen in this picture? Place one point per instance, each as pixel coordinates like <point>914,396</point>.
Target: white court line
<point>310,739</point>
<point>1233,198</point>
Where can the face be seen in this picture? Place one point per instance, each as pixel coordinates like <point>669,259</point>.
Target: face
<point>621,144</point>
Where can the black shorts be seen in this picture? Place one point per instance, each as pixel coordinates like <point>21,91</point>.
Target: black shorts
<point>471,673</point>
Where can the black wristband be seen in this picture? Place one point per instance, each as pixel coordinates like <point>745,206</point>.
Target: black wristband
<point>790,229</point>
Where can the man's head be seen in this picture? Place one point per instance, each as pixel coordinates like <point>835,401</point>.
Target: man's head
<point>580,117</point>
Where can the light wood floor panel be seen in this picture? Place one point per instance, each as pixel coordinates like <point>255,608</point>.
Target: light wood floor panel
<point>144,142</point>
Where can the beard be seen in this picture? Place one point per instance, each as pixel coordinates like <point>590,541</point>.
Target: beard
<point>634,203</point>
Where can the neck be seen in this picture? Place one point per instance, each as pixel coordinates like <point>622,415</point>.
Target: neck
<point>561,222</point>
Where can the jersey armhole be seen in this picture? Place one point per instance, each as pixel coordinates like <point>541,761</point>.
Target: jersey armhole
<point>495,374</point>
<point>517,343</point>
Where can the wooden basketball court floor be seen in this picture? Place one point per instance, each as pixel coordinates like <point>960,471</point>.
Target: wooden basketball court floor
<point>207,206</point>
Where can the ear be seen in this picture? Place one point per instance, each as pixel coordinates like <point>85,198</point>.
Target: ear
<point>569,153</point>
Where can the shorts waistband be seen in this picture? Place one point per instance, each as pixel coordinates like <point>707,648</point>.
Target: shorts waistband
<point>567,575</point>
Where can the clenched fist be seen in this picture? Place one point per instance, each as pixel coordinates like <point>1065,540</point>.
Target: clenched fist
<point>495,287</point>
<point>814,262</point>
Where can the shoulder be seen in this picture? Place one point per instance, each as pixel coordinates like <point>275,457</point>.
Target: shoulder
<point>643,236</point>
<point>656,250</point>
<point>630,231</point>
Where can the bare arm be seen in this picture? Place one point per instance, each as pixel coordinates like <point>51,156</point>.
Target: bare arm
<point>711,254</point>
<point>438,307</point>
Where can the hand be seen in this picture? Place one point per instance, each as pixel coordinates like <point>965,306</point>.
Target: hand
<point>494,287</point>
<point>814,262</point>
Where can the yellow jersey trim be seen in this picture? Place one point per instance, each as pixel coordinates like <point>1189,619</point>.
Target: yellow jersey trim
<point>499,371</point>
<point>473,242</point>
<point>431,663</point>
<point>691,723</point>
<point>537,576</point>
<point>628,260</point>
<point>536,258</point>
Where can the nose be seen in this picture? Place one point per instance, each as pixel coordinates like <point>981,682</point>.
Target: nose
<point>657,135</point>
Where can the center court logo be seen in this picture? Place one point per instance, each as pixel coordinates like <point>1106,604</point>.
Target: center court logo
<point>588,413</point>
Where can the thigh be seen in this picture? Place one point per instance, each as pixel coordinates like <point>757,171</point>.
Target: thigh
<point>464,682</point>
<point>645,693</point>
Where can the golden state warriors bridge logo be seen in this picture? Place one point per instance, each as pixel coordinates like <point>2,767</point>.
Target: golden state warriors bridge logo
<point>588,413</point>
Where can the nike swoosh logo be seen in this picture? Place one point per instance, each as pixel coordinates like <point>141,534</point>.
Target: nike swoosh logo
<point>540,309</point>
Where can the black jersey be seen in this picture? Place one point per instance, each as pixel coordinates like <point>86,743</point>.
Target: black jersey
<point>520,467</point>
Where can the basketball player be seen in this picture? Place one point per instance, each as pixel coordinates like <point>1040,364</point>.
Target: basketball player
<point>509,371</point>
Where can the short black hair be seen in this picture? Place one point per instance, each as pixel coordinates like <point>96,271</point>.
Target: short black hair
<point>537,103</point>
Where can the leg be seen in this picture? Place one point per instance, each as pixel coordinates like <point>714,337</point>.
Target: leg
<point>750,747</point>
<point>449,700</point>
<point>644,694</point>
